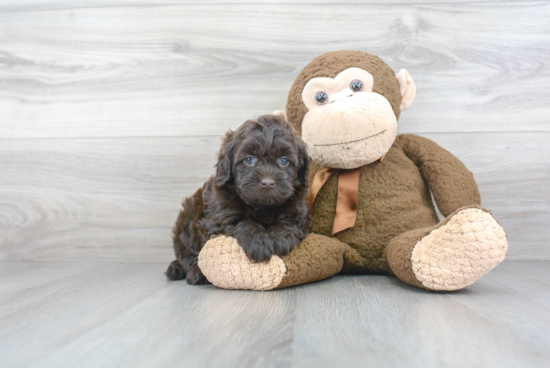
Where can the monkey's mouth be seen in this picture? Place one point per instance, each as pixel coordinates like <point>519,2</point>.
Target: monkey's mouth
<point>355,141</point>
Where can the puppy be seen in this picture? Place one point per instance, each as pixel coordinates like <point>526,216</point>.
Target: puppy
<point>258,196</point>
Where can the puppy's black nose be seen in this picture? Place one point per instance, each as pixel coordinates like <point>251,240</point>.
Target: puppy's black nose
<point>267,183</point>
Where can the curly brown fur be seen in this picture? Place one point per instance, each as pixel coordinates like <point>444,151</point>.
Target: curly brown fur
<point>255,196</point>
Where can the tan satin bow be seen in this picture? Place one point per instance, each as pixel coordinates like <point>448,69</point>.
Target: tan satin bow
<point>348,195</point>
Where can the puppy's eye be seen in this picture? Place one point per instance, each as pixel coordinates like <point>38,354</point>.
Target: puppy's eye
<point>283,161</point>
<point>321,98</point>
<point>250,160</point>
<point>356,85</point>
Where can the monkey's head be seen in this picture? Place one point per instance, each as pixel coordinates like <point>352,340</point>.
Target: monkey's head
<point>345,105</point>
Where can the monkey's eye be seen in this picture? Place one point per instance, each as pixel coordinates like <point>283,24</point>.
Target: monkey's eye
<point>356,85</point>
<point>283,161</point>
<point>250,161</point>
<point>321,98</point>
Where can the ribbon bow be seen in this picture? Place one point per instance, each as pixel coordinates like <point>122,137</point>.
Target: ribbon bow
<point>348,195</point>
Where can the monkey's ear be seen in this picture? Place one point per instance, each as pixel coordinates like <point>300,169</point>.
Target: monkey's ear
<point>224,167</point>
<point>303,163</point>
<point>406,88</point>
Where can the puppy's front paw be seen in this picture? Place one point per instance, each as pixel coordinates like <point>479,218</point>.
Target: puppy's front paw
<point>195,276</point>
<point>260,249</point>
<point>285,244</point>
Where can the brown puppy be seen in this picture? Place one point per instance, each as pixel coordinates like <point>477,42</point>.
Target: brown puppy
<point>258,196</point>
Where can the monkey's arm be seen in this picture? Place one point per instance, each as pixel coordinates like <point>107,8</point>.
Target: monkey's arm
<point>452,184</point>
<point>224,263</point>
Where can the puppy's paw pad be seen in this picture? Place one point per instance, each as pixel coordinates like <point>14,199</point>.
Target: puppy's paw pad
<point>225,264</point>
<point>460,252</point>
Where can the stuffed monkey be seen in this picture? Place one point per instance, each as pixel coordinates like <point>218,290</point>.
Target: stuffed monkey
<point>370,191</point>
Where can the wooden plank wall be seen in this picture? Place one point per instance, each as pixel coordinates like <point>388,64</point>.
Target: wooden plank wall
<point>112,111</point>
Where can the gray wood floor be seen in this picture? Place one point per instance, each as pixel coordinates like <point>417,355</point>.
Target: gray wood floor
<point>128,315</point>
<point>111,111</point>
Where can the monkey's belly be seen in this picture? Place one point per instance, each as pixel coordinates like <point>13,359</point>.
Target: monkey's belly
<point>393,198</point>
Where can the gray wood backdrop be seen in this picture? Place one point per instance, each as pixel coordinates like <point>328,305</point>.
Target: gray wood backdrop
<point>112,111</point>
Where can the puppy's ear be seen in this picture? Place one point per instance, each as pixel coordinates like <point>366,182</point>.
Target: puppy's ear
<point>224,167</point>
<point>303,163</point>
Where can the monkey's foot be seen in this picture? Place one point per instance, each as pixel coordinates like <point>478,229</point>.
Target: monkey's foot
<point>451,255</point>
<point>225,264</point>
<point>460,252</point>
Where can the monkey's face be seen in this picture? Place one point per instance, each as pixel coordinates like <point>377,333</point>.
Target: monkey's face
<point>346,104</point>
<point>347,125</point>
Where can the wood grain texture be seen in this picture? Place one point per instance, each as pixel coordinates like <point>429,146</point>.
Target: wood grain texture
<point>87,198</point>
<point>179,70</point>
<point>390,324</point>
<point>53,313</point>
<point>128,315</point>
<point>117,199</point>
<point>45,5</point>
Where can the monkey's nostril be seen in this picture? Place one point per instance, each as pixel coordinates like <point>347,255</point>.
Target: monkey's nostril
<point>267,183</point>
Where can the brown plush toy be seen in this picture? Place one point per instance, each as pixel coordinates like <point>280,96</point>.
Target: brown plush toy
<point>370,191</point>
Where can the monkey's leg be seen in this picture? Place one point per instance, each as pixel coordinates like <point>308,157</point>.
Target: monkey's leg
<point>317,257</point>
<point>450,255</point>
